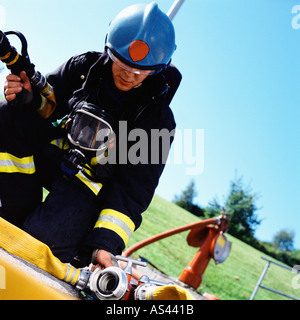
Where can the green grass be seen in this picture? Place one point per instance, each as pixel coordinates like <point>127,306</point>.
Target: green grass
<point>235,279</point>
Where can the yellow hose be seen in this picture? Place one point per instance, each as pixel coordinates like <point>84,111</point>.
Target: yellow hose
<point>23,245</point>
<point>170,292</point>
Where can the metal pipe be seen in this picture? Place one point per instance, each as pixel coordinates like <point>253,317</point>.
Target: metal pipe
<point>278,292</point>
<point>259,285</point>
<point>260,280</point>
<point>278,264</point>
<point>174,9</point>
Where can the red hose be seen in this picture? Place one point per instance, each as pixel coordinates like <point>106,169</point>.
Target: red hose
<point>143,243</point>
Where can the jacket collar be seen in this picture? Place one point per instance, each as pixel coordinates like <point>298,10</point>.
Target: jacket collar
<point>152,87</point>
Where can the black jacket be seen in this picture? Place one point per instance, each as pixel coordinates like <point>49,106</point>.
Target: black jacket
<point>129,192</point>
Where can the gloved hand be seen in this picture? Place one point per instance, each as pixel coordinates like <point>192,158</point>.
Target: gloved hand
<point>104,259</point>
<point>15,84</point>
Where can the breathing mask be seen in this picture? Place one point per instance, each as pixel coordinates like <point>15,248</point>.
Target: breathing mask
<point>91,138</point>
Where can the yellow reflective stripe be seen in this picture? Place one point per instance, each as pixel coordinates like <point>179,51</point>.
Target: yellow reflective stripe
<point>48,104</point>
<point>95,187</point>
<point>117,222</point>
<point>12,164</point>
<point>60,143</point>
<point>48,92</point>
<point>121,216</point>
<point>44,100</point>
<point>113,227</point>
<point>88,170</point>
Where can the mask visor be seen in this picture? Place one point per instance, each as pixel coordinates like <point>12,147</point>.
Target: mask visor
<point>89,132</point>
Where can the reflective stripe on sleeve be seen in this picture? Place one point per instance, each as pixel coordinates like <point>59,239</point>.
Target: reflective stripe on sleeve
<point>117,222</point>
<point>48,104</point>
<point>95,187</point>
<point>12,164</point>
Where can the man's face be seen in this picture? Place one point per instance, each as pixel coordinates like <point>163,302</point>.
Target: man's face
<point>126,80</point>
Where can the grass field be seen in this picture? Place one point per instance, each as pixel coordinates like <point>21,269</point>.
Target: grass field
<point>235,279</point>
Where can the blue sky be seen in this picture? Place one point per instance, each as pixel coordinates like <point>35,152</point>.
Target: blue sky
<point>239,98</point>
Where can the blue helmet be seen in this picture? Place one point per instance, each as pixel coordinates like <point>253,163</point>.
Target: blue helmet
<point>142,36</point>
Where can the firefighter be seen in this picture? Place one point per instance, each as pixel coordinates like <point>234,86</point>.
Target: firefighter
<point>74,146</point>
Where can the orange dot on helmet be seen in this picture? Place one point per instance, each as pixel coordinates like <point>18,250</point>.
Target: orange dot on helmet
<point>138,50</point>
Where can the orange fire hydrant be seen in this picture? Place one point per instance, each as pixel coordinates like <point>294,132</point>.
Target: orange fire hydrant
<point>208,235</point>
<point>212,243</point>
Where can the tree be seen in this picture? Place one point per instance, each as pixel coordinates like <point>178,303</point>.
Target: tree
<point>186,200</point>
<point>284,240</point>
<point>240,205</point>
<point>214,209</point>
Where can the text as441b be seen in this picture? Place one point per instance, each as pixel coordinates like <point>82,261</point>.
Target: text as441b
<point>161,309</point>
<point>171,309</point>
